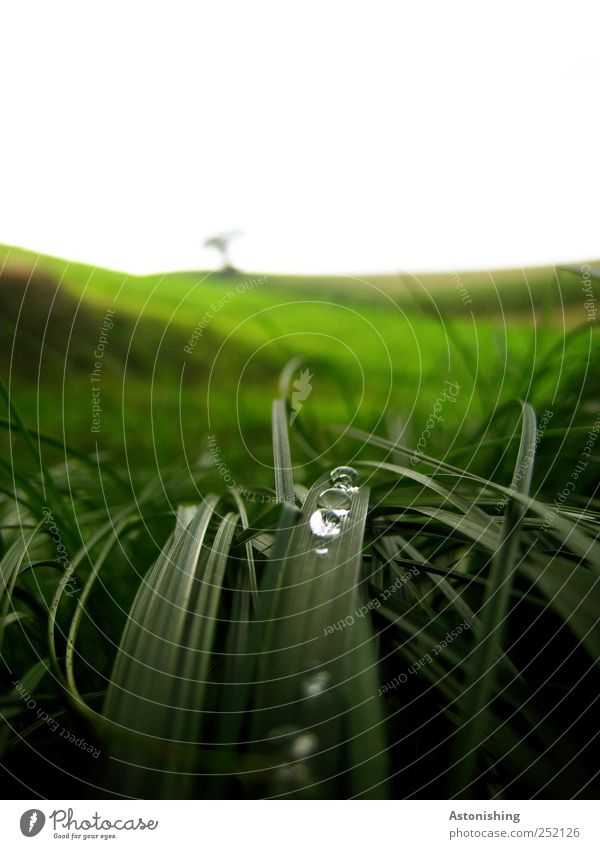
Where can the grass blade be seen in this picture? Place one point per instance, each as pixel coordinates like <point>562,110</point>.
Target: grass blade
<point>482,670</point>
<point>284,482</point>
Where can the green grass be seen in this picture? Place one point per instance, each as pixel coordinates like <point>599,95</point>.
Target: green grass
<point>376,348</point>
<point>197,636</point>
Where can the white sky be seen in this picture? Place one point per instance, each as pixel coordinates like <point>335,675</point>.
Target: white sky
<point>339,136</point>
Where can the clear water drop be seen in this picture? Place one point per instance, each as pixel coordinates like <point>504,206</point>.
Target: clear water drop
<point>344,476</point>
<point>345,484</point>
<point>316,684</point>
<point>335,499</point>
<point>304,746</point>
<point>325,524</point>
<point>322,552</point>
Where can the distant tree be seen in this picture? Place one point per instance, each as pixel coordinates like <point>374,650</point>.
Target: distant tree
<point>221,243</point>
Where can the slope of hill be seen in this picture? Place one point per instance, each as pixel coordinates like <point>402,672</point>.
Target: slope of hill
<point>188,354</point>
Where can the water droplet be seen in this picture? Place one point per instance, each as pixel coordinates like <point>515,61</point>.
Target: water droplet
<point>345,485</point>
<point>316,684</point>
<point>335,499</point>
<point>282,736</point>
<point>344,476</point>
<point>322,552</point>
<point>304,746</point>
<point>292,775</point>
<point>325,524</point>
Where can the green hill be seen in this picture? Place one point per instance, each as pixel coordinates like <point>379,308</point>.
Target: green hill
<point>190,354</point>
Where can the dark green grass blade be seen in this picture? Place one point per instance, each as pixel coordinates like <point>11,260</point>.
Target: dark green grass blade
<point>49,487</point>
<point>246,634</point>
<point>80,609</point>
<point>83,554</point>
<point>10,566</point>
<point>284,483</point>
<point>570,534</point>
<point>15,704</point>
<point>482,672</point>
<point>313,676</point>
<point>252,582</point>
<point>575,596</point>
<point>68,450</point>
<point>158,687</point>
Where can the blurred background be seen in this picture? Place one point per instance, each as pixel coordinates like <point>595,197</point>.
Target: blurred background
<point>340,139</point>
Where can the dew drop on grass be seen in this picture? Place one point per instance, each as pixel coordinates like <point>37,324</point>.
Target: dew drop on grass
<point>344,471</point>
<point>335,499</point>
<point>316,684</point>
<point>322,552</point>
<point>344,478</point>
<point>304,746</point>
<point>325,524</point>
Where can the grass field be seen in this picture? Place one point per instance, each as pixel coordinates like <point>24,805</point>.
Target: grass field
<point>438,636</point>
<point>379,349</point>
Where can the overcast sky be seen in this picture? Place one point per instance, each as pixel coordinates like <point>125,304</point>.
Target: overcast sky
<point>339,136</point>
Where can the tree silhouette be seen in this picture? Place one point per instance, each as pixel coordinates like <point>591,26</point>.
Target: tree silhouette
<point>221,243</point>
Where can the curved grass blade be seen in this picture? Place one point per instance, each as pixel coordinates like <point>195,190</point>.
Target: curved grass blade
<point>10,566</point>
<point>159,684</point>
<point>106,530</point>
<point>317,717</point>
<point>284,483</point>
<point>253,585</point>
<point>22,691</point>
<point>566,532</point>
<point>79,611</point>
<point>482,671</point>
<point>47,477</point>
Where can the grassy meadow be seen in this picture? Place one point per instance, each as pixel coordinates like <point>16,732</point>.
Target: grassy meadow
<point>195,605</point>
